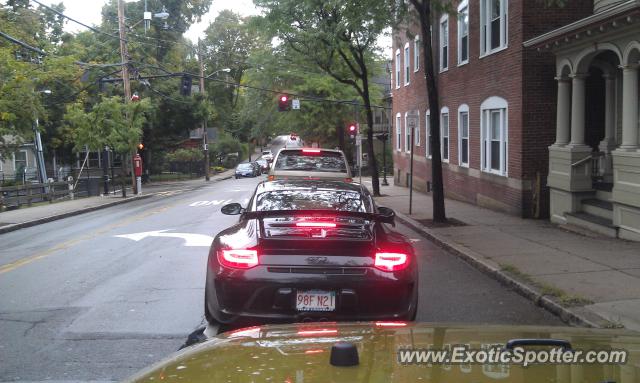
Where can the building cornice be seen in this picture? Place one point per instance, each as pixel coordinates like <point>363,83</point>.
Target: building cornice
<point>572,31</point>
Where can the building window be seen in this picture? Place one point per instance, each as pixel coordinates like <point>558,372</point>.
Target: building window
<point>20,161</point>
<point>398,69</point>
<point>398,132</point>
<point>463,33</point>
<point>407,64</point>
<point>494,129</point>
<point>444,43</point>
<point>416,54</point>
<point>427,124</point>
<point>463,135</point>
<point>493,25</point>
<point>444,133</point>
<point>407,134</point>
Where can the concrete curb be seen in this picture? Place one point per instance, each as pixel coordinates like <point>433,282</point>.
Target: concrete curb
<point>35,222</point>
<point>571,316</point>
<point>39,221</point>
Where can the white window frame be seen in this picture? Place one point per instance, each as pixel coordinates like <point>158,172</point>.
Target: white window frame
<point>444,19</point>
<point>427,131</point>
<point>494,105</point>
<point>26,160</point>
<point>416,54</point>
<point>485,27</point>
<point>407,134</point>
<point>398,68</point>
<point>398,132</point>
<point>464,6</point>
<point>464,108</point>
<point>407,64</point>
<point>445,111</point>
<point>417,138</point>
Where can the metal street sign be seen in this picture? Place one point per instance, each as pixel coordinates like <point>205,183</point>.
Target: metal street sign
<point>358,139</point>
<point>295,104</point>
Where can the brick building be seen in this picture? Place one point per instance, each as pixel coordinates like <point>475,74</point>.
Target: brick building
<point>497,102</point>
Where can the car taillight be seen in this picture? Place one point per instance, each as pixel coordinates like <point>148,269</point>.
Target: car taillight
<point>238,258</point>
<point>311,151</point>
<point>391,261</point>
<point>271,178</point>
<point>316,224</point>
<point>348,180</point>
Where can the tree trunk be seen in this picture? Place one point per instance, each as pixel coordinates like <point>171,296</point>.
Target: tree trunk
<point>373,165</point>
<point>424,11</point>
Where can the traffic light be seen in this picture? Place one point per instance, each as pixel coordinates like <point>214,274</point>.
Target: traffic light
<point>140,146</point>
<point>283,103</point>
<point>185,85</point>
<point>353,130</point>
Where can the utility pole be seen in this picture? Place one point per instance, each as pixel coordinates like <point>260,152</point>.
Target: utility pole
<point>124,54</point>
<point>205,144</point>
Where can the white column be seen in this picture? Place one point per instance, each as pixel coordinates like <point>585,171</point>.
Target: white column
<point>577,109</point>
<point>629,107</point>
<point>608,143</point>
<point>563,111</point>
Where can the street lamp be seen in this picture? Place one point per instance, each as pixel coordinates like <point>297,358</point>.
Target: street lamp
<point>227,70</point>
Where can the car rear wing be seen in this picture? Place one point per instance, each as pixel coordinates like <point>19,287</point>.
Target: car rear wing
<point>385,215</point>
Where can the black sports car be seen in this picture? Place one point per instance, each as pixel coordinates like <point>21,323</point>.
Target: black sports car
<point>310,250</point>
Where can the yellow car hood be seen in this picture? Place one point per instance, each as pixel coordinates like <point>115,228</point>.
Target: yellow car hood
<point>300,353</point>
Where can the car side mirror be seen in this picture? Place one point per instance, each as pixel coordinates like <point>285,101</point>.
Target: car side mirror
<point>232,209</point>
<point>387,215</point>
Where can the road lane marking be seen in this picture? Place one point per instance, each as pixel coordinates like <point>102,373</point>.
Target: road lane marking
<point>211,203</point>
<point>67,244</point>
<point>190,240</point>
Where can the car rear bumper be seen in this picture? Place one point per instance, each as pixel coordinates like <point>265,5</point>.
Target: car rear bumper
<point>270,298</point>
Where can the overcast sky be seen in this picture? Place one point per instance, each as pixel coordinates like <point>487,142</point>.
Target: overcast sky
<point>88,12</point>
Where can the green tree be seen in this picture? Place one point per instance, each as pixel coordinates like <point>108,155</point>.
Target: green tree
<point>109,123</point>
<point>340,38</point>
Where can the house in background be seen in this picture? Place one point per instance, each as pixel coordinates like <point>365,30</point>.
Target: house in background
<point>594,162</point>
<point>497,102</point>
<point>20,165</point>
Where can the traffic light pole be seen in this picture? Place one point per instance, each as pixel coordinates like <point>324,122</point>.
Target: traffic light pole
<point>205,144</point>
<point>125,75</point>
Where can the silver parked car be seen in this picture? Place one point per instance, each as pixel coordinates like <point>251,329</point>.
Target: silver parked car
<point>310,163</point>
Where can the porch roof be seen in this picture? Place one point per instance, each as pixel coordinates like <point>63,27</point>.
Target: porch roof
<point>594,24</point>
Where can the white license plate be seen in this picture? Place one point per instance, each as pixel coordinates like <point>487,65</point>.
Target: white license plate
<point>315,300</point>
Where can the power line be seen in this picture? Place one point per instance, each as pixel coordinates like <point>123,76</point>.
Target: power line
<point>75,21</point>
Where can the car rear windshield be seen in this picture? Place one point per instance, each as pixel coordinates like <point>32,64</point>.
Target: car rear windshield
<point>312,199</point>
<point>244,166</point>
<point>324,161</point>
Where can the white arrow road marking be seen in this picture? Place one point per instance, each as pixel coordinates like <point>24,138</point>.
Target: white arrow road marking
<point>190,240</point>
<point>209,203</point>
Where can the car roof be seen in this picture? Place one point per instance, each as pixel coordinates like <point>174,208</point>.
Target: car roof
<point>326,185</point>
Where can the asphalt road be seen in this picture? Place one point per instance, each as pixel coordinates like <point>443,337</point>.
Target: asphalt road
<point>102,295</point>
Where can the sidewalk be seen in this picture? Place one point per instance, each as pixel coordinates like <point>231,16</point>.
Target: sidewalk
<point>31,216</point>
<point>582,278</point>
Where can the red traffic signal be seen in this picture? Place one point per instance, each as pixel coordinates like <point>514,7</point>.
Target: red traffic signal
<point>353,129</point>
<point>283,103</point>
